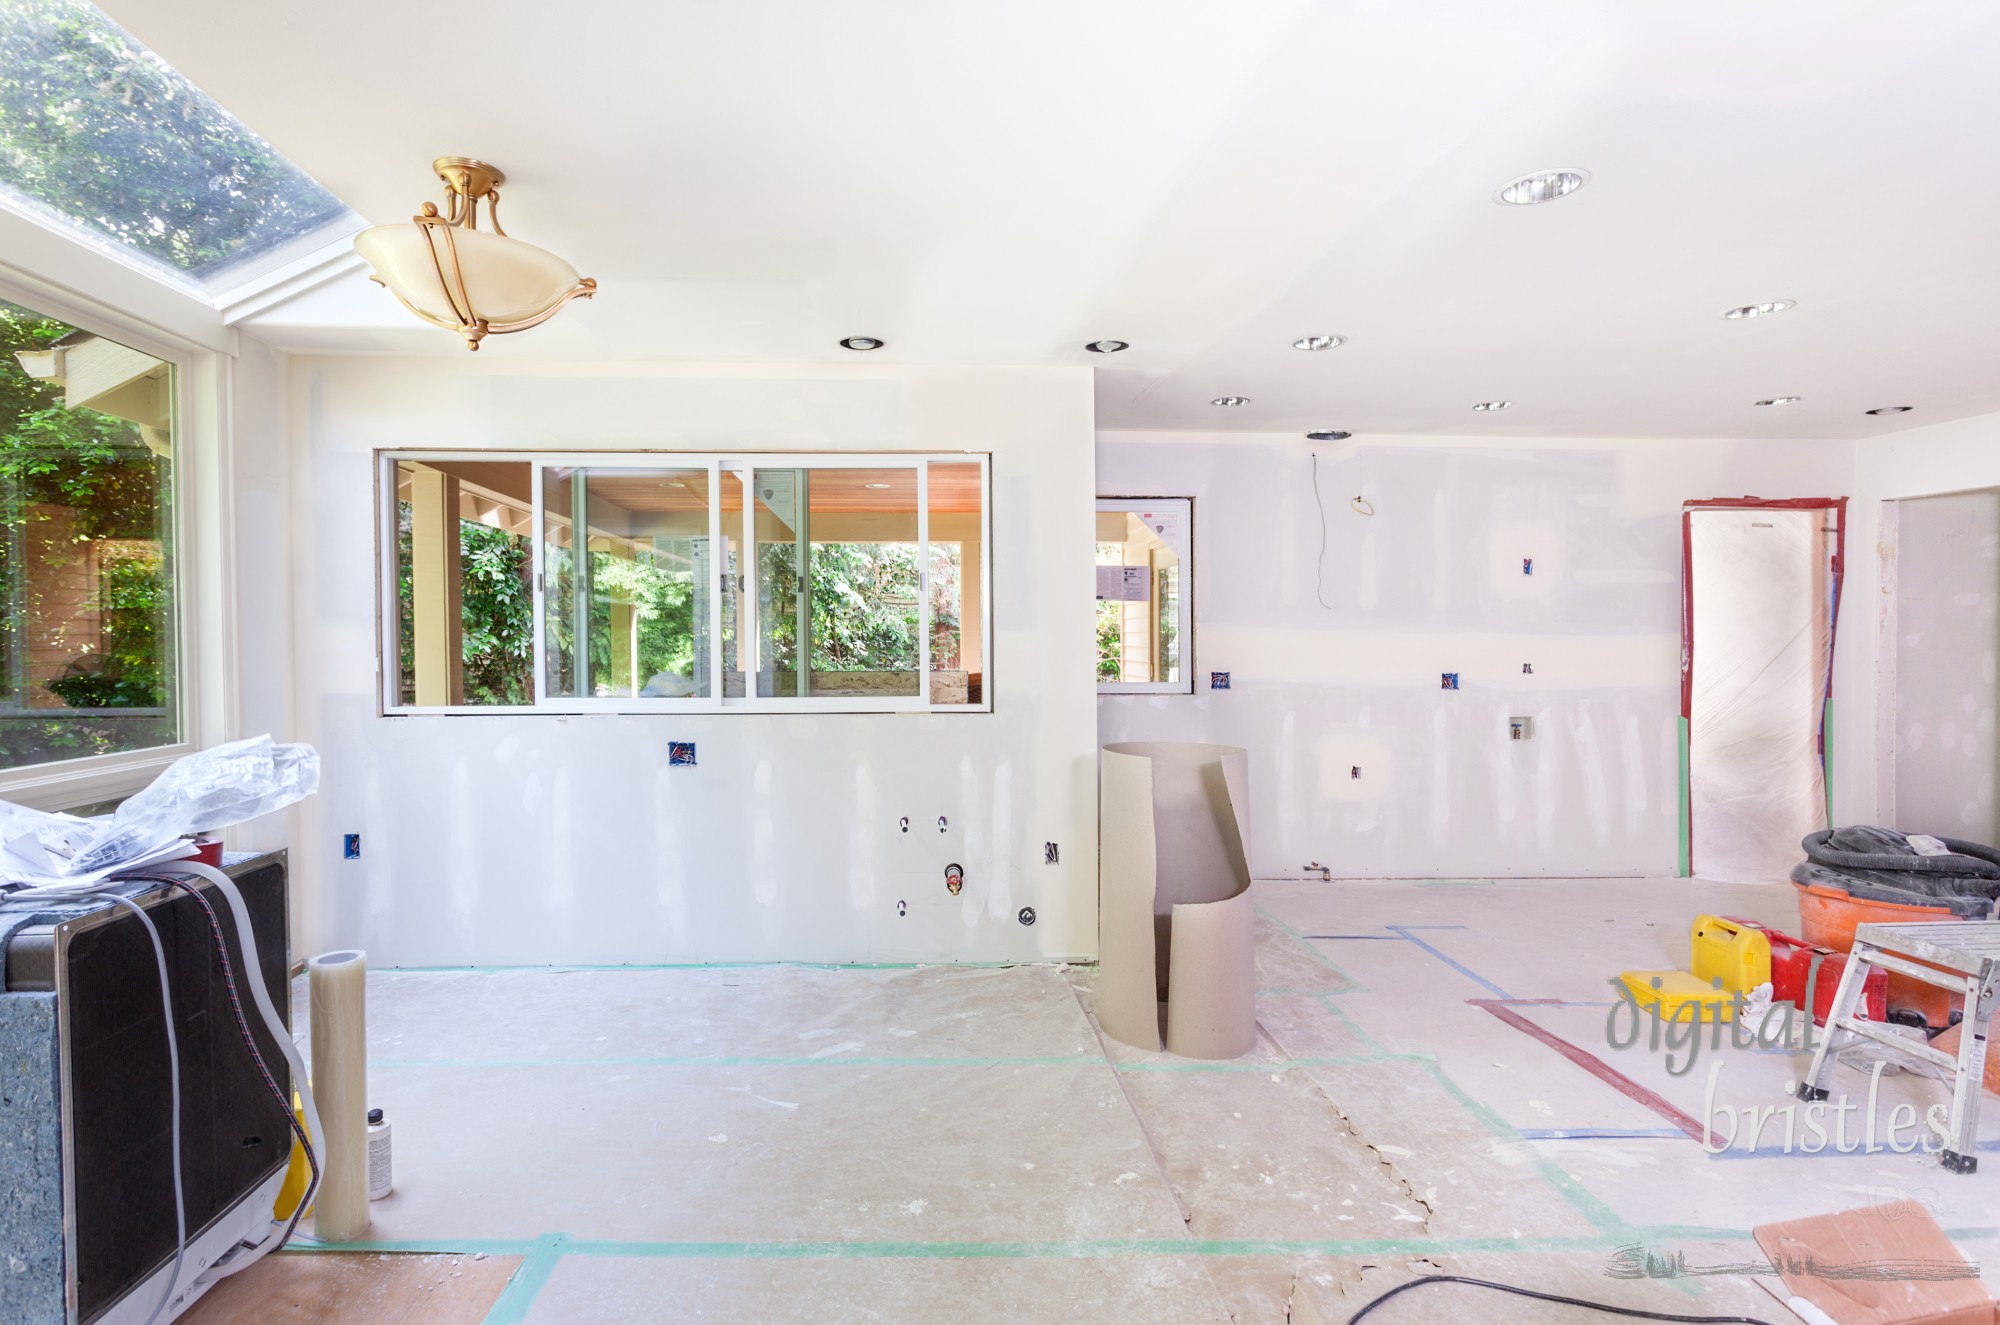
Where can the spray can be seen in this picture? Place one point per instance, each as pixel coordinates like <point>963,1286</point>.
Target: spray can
<point>381,1178</point>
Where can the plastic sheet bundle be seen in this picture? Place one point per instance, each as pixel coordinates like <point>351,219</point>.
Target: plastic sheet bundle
<point>199,793</point>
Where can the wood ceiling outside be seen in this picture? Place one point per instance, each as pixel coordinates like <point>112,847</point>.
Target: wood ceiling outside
<point>954,488</point>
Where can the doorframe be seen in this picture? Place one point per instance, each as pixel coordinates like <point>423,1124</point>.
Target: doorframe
<point>1838,567</point>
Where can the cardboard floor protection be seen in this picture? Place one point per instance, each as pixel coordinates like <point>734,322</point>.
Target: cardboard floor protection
<point>1870,1267</point>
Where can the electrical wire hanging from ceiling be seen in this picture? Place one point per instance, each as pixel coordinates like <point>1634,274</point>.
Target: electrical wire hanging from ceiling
<point>1319,566</point>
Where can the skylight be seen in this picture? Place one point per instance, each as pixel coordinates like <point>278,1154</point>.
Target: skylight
<point>100,135</point>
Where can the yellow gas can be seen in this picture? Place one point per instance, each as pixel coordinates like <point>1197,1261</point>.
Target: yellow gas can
<point>1739,954</point>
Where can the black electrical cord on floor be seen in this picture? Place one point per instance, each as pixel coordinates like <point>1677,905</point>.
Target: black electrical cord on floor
<point>1549,1297</point>
<point>250,1041</point>
<point>1319,567</point>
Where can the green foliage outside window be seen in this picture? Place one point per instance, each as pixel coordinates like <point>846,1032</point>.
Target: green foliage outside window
<point>101,131</point>
<point>496,613</point>
<point>78,489</point>
<point>864,606</point>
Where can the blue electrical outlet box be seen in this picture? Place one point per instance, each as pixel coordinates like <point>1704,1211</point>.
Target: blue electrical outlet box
<point>680,754</point>
<point>1450,681</point>
<point>350,847</point>
<point>1218,680</point>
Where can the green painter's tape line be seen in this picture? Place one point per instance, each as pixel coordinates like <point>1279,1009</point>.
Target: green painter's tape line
<point>721,966</point>
<point>730,1061</point>
<point>518,1298</point>
<point>1353,986</point>
<point>1601,1216</point>
<point>1826,754</point>
<point>1073,1249</point>
<point>1338,1060</point>
<point>304,1246</point>
<point>1325,1000</point>
<point>1686,827</point>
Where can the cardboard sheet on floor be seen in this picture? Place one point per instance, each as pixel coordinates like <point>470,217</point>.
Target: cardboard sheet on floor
<point>1867,1267</point>
<point>1175,919</point>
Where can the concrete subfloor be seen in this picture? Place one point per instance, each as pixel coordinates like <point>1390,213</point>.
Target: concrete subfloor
<point>788,1143</point>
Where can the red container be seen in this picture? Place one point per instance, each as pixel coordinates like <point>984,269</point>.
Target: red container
<point>1792,967</point>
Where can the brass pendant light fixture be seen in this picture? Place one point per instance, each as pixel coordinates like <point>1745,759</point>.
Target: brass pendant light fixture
<point>452,274</point>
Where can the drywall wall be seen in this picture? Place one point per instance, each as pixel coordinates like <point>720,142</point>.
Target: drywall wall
<point>1359,758</point>
<point>1960,456</point>
<point>258,697</point>
<point>1939,648</point>
<point>510,839</point>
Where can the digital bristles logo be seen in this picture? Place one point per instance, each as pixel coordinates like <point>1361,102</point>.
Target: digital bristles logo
<point>1804,1124</point>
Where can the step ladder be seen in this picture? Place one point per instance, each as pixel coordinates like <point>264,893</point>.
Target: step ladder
<point>1969,954</point>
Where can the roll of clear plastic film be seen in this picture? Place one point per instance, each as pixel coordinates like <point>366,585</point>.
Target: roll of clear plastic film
<point>338,990</point>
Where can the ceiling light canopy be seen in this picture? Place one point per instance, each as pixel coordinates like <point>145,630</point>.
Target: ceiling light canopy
<point>1487,406</point>
<point>1781,400</point>
<point>862,343</point>
<point>1329,435</point>
<point>1107,346</point>
<point>1758,310</point>
<point>1230,402</point>
<point>454,275</point>
<point>1318,342</point>
<point>1542,186</point>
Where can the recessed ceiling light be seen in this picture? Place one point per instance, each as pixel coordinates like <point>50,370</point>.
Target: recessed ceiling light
<point>1781,400</point>
<point>1542,186</point>
<point>1758,310</point>
<point>1485,405</point>
<point>874,485</point>
<point>1329,435</point>
<point>1893,409</point>
<point>1108,346</point>
<point>1230,400</point>
<point>861,343</point>
<point>1318,342</point>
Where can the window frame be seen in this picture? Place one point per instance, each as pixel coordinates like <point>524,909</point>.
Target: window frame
<point>201,585</point>
<point>1184,618</point>
<point>744,464</point>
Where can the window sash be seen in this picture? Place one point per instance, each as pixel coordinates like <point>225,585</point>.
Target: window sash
<point>1184,606</point>
<point>750,646</point>
<point>201,582</point>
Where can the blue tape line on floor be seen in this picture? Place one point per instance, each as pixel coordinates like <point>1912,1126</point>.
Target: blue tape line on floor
<point>1599,1133</point>
<point>1458,966</point>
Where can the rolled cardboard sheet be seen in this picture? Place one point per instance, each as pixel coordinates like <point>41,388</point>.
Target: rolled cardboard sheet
<point>338,988</point>
<point>1212,989</point>
<point>1127,1000</point>
<point>1175,829</point>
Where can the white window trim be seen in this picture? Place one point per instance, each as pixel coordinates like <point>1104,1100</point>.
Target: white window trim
<point>204,626</point>
<point>743,463</point>
<point>1184,686</point>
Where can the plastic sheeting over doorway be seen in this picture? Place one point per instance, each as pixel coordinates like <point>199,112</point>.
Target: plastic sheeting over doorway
<point>1763,589</point>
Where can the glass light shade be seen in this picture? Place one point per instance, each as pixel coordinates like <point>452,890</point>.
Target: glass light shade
<point>507,280</point>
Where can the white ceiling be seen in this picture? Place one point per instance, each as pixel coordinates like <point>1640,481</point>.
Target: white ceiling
<point>1002,180</point>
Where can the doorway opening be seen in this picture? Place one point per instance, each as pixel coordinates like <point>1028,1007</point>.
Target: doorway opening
<point>1760,604</point>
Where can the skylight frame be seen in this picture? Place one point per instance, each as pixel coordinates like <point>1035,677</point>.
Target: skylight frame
<point>48,35</point>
